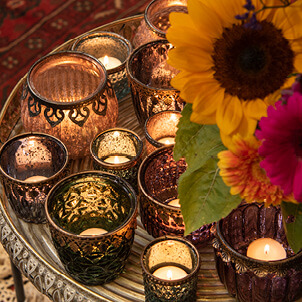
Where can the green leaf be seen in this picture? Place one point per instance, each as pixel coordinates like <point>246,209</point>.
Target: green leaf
<point>293,229</point>
<point>204,197</point>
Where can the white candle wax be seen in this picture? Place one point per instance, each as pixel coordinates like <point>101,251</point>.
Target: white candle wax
<point>110,62</point>
<point>266,249</point>
<point>174,203</point>
<point>170,272</point>
<point>93,231</point>
<point>169,140</point>
<point>116,159</point>
<point>35,178</point>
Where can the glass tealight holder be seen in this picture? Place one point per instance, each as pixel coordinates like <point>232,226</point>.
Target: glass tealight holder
<point>149,77</point>
<point>160,210</point>
<point>160,129</point>
<point>67,95</point>
<point>249,279</point>
<point>31,164</point>
<point>116,48</point>
<point>118,151</point>
<point>156,22</point>
<point>170,268</point>
<point>92,221</point>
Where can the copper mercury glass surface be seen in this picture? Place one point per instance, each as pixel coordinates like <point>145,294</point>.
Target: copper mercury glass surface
<point>68,96</point>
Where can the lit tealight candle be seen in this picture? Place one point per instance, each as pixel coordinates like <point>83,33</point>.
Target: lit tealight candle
<point>266,249</point>
<point>110,62</point>
<point>116,159</point>
<point>174,203</point>
<point>93,231</point>
<point>35,178</point>
<point>170,272</point>
<point>167,140</point>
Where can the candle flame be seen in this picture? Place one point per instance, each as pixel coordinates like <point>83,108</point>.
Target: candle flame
<point>106,61</point>
<point>169,275</point>
<point>116,134</point>
<point>116,159</point>
<point>266,249</point>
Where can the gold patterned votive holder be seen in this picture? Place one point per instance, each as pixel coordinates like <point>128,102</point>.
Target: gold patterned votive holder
<point>118,151</point>
<point>170,268</point>
<point>149,77</point>
<point>92,221</point>
<point>116,48</point>
<point>160,129</point>
<point>31,164</point>
<point>156,22</point>
<point>67,95</point>
<point>160,210</point>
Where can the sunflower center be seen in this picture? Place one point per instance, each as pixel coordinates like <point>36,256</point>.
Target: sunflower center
<point>252,63</point>
<point>252,59</point>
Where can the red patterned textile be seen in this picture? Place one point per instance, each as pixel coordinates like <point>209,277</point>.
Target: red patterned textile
<point>29,29</point>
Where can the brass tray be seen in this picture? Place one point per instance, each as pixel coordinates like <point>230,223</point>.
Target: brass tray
<point>30,247</point>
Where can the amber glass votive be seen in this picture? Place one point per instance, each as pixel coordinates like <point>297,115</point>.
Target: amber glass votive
<point>170,270</point>
<point>156,22</point>
<point>92,220</point>
<point>149,77</point>
<point>249,279</point>
<point>159,207</point>
<point>67,95</point>
<point>31,164</point>
<point>160,129</point>
<point>118,151</point>
<point>116,48</point>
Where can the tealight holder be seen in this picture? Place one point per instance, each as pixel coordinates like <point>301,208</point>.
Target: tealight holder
<point>103,204</point>
<point>116,48</point>
<point>67,95</point>
<point>160,129</point>
<point>149,78</point>
<point>159,207</point>
<point>170,268</point>
<point>249,279</point>
<point>31,164</point>
<point>156,22</point>
<point>118,151</point>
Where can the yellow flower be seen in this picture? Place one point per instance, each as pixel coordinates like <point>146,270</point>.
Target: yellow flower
<point>240,169</point>
<point>229,71</point>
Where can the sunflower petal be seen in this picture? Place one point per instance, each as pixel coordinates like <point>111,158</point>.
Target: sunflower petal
<point>254,109</point>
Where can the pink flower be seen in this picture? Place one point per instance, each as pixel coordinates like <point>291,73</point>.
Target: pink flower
<point>281,135</point>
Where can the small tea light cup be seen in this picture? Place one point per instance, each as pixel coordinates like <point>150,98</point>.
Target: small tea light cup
<point>156,22</point>
<point>160,210</point>
<point>92,221</point>
<point>149,78</point>
<point>113,51</point>
<point>118,151</point>
<point>170,268</point>
<point>31,164</point>
<point>160,129</point>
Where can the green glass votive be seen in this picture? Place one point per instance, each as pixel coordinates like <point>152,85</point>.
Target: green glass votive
<point>92,220</point>
<point>170,270</point>
<point>118,151</point>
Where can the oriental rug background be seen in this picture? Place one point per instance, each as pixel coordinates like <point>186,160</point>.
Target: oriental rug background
<point>29,29</point>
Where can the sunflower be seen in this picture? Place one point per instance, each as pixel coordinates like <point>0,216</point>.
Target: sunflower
<point>230,70</point>
<point>240,169</point>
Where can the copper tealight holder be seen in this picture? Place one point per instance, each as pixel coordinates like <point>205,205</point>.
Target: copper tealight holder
<point>160,210</point>
<point>92,221</point>
<point>31,164</point>
<point>170,270</point>
<point>156,22</point>
<point>160,129</point>
<point>149,77</point>
<point>67,95</point>
<point>116,48</point>
<point>118,151</point>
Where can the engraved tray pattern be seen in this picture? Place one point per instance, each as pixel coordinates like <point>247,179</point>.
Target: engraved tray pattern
<point>30,246</point>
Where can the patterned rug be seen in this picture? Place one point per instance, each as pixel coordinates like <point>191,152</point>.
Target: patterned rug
<point>29,29</point>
